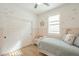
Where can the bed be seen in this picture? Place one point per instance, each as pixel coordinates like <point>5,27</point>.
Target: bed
<point>57,47</point>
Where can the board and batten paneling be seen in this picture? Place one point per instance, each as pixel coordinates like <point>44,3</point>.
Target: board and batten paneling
<point>69,18</point>
<point>16,27</point>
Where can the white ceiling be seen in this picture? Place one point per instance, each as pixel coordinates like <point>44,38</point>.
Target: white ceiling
<point>40,9</point>
<point>30,6</point>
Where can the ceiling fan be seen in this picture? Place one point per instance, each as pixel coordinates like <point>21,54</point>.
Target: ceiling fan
<point>36,4</point>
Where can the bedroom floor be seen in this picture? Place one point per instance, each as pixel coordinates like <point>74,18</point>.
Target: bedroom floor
<point>30,50</point>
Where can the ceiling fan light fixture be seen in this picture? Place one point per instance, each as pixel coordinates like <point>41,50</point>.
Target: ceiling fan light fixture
<point>37,4</point>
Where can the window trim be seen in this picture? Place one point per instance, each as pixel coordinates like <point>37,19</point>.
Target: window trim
<point>54,24</point>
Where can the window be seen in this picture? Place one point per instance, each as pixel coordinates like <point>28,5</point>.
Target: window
<point>54,24</point>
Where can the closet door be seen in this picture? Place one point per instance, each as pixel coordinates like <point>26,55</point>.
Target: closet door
<point>15,34</point>
<point>2,34</point>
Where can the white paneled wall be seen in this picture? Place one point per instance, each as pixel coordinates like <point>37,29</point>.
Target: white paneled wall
<point>69,18</point>
<point>16,27</point>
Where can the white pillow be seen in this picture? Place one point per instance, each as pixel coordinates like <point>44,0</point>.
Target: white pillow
<point>76,43</point>
<point>69,38</point>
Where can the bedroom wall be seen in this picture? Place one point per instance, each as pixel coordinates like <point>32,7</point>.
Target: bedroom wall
<point>69,18</point>
<point>15,25</point>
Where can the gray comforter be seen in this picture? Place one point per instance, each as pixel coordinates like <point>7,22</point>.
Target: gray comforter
<point>58,47</point>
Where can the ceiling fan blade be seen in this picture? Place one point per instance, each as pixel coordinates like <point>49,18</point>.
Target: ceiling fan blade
<point>35,5</point>
<point>46,4</point>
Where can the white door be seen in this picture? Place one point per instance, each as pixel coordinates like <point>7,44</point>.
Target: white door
<point>15,32</point>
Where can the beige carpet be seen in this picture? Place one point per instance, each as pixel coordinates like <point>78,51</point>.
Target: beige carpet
<point>30,50</point>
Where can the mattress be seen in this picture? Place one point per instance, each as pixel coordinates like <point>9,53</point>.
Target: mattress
<point>58,47</point>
